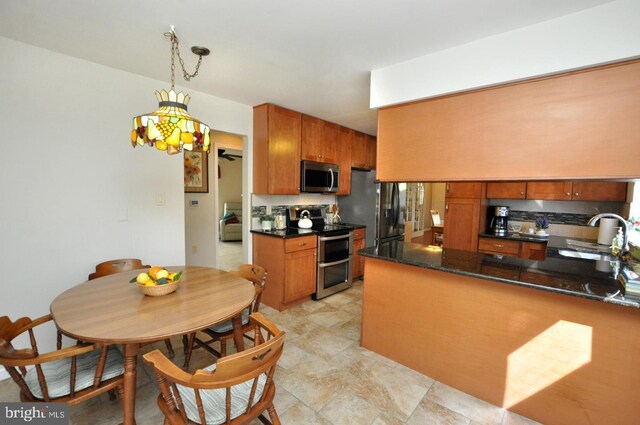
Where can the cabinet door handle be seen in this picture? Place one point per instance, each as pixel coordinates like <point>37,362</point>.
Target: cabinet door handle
<point>446,207</point>
<point>568,193</point>
<point>498,245</point>
<point>522,193</point>
<point>447,187</point>
<point>577,194</point>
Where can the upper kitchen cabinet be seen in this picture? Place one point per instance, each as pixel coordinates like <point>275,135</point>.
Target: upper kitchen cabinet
<point>320,140</point>
<point>277,134</point>
<point>599,191</point>
<point>506,190</point>
<point>363,151</point>
<point>582,124</point>
<point>577,191</point>
<point>464,190</point>
<point>344,145</point>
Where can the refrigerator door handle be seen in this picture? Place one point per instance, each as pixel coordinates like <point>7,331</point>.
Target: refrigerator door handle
<point>396,205</point>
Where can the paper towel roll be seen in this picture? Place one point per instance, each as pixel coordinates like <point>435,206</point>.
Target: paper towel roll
<point>608,230</point>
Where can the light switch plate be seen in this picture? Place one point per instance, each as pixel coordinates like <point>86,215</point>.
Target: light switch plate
<point>160,199</point>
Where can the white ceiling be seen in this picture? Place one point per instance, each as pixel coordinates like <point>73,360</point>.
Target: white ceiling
<point>310,56</point>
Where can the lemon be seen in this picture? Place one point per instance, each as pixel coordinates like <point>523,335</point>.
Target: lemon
<point>143,278</point>
<point>172,276</point>
<point>150,283</point>
<point>162,274</point>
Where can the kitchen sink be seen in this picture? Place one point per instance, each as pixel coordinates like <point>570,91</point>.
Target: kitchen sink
<point>586,255</point>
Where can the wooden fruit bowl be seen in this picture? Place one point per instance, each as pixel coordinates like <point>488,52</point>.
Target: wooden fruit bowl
<point>159,290</point>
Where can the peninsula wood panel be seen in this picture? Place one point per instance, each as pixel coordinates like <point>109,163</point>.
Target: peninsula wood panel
<point>554,358</point>
<point>584,124</point>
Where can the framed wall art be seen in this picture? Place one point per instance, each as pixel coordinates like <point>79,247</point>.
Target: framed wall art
<point>196,172</point>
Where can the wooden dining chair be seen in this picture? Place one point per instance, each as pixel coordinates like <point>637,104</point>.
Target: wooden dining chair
<point>72,374</point>
<point>223,332</point>
<point>235,390</point>
<point>121,265</point>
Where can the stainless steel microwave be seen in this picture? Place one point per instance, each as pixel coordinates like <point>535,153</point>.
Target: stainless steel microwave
<point>319,177</point>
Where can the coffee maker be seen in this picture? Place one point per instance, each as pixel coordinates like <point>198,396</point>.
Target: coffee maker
<point>499,221</point>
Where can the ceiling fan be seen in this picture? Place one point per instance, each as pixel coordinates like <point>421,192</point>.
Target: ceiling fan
<point>229,156</point>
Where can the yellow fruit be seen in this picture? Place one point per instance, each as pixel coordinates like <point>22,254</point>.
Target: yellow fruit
<point>143,278</point>
<point>172,276</point>
<point>150,283</point>
<point>162,274</point>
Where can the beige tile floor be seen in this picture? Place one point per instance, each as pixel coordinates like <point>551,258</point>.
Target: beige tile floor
<point>229,255</point>
<point>323,377</point>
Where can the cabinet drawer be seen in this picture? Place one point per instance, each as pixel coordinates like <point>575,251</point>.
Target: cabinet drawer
<point>498,246</point>
<point>358,234</point>
<point>298,244</point>
<point>533,250</point>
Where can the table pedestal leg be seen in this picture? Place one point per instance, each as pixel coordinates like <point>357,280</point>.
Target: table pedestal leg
<point>237,333</point>
<point>130,374</point>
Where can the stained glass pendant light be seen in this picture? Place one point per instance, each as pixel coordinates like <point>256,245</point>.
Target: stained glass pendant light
<point>170,128</point>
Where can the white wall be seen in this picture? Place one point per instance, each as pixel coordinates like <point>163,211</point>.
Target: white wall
<point>230,181</point>
<point>601,34</point>
<point>74,192</point>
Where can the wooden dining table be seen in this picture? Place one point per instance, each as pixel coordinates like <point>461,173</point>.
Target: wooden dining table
<point>110,310</point>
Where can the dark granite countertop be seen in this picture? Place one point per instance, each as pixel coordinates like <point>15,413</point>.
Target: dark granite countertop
<point>583,278</point>
<point>290,232</point>
<point>524,237</point>
<point>354,225</point>
<point>286,233</point>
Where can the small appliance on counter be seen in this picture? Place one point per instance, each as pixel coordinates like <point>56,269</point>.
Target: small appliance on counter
<point>500,221</point>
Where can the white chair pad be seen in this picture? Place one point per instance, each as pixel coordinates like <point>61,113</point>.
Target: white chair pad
<point>213,401</point>
<point>58,373</point>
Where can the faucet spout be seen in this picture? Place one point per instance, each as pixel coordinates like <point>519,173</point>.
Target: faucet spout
<point>625,229</point>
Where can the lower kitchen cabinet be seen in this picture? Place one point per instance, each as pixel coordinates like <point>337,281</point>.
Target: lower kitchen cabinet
<point>291,268</point>
<point>358,261</point>
<point>511,248</point>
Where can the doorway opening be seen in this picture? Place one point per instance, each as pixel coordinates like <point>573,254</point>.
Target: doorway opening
<point>228,178</point>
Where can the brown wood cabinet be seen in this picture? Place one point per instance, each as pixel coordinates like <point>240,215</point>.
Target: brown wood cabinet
<point>506,190</point>
<point>577,191</point>
<point>320,140</point>
<point>461,223</point>
<point>291,264</point>
<point>363,151</point>
<point>344,146</point>
<point>277,134</point>
<point>498,133</point>
<point>357,266</point>
<point>511,248</point>
<point>464,190</point>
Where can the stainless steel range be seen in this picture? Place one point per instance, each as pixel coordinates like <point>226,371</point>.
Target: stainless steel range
<point>335,250</point>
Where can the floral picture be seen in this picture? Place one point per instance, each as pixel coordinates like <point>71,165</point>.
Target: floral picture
<point>196,172</point>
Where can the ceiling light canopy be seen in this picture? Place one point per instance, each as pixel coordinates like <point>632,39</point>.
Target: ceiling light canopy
<point>170,128</point>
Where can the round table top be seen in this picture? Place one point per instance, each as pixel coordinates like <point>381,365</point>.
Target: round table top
<point>112,310</point>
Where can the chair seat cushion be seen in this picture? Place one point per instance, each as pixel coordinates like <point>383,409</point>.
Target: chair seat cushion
<point>58,373</point>
<point>228,326</point>
<point>213,401</point>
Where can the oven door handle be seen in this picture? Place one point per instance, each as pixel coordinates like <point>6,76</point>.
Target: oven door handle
<point>333,238</point>
<point>335,263</point>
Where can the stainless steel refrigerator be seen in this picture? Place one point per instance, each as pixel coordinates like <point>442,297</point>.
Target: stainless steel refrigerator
<point>379,206</point>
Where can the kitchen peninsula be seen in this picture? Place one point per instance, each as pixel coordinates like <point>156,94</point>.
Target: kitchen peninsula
<point>552,340</point>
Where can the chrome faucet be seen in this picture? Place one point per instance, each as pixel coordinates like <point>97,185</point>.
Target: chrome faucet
<point>625,229</point>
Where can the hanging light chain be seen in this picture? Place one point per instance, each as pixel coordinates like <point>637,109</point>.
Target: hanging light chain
<point>175,50</point>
